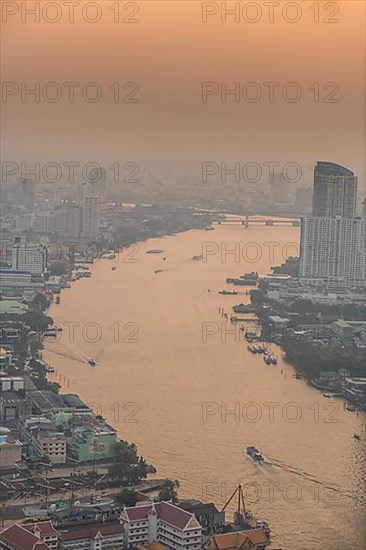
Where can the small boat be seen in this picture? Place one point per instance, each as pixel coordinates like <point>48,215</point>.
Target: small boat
<point>155,251</point>
<point>254,454</point>
<point>228,292</point>
<point>58,299</point>
<point>50,369</point>
<point>357,436</point>
<point>267,359</point>
<point>351,408</point>
<point>197,258</point>
<point>92,362</point>
<point>113,269</point>
<point>328,394</point>
<point>297,375</point>
<point>158,271</point>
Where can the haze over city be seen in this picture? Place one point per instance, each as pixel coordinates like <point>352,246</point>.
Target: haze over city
<point>182,278</point>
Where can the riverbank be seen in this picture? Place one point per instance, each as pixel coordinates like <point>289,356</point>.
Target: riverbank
<point>184,357</point>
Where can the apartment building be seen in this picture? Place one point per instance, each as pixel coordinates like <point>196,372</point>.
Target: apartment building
<point>162,522</point>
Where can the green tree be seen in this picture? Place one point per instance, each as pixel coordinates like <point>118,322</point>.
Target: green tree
<point>128,497</point>
<point>169,490</point>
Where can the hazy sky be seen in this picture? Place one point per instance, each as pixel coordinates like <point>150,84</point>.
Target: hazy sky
<point>169,52</point>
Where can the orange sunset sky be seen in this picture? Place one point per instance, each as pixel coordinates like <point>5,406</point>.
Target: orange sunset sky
<point>169,52</point>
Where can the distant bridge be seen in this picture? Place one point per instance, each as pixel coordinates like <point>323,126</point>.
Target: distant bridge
<point>248,220</point>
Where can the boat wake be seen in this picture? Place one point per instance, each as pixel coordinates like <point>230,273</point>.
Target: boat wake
<point>310,477</point>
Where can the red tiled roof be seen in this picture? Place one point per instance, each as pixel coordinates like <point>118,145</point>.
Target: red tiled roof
<point>138,512</point>
<point>90,533</point>
<point>45,527</point>
<point>172,514</point>
<point>22,539</point>
<point>167,512</point>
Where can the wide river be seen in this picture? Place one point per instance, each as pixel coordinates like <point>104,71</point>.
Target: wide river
<point>174,378</point>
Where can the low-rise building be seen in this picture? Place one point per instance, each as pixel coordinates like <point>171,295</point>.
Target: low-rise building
<point>10,451</point>
<point>17,537</point>
<point>109,536</point>
<point>90,438</point>
<point>251,539</point>
<point>45,531</point>
<point>355,388</point>
<point>44,440</point>
<point>162,522</point>
<point>12,307</point>
<point>11,383</point>
<point>209,517</point>
<point>6,359</point>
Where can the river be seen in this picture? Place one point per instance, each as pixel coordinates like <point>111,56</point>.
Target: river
<point>173,379</point>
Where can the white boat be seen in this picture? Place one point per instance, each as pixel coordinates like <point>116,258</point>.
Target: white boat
<point>92,362</point>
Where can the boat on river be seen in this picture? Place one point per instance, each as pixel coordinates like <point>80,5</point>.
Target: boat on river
<point>253,453</point>
<point>155,251</point>
<point>92,362</point>
<point>226,292</point>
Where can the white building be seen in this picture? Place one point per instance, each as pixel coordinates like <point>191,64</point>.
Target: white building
<point>11,383</point>
<point>90,217</point>
<point>29,257</point>
<point>332,251</point>
<point>162,522</point>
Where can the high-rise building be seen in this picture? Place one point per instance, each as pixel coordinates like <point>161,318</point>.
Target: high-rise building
<point>29,257</point>
<point>332,250</point>
<point>332,246</point>
<point>90,217</point>
<point>335,191</point>
<point>74,219</point>
<point>98,184</point>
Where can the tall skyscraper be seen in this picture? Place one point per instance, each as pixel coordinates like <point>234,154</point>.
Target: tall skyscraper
<point>332,250</point>
<point>335,191</point>
<point>332,245</point>
<point>90,217</point>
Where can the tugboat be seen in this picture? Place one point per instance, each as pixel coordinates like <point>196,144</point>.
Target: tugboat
<point>254,454</point>
<point>92,362</point>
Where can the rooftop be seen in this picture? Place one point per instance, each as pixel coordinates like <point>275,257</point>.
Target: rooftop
<point>165,511</point>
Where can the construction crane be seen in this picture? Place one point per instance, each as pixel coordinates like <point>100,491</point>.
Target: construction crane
<point>241,515</point>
